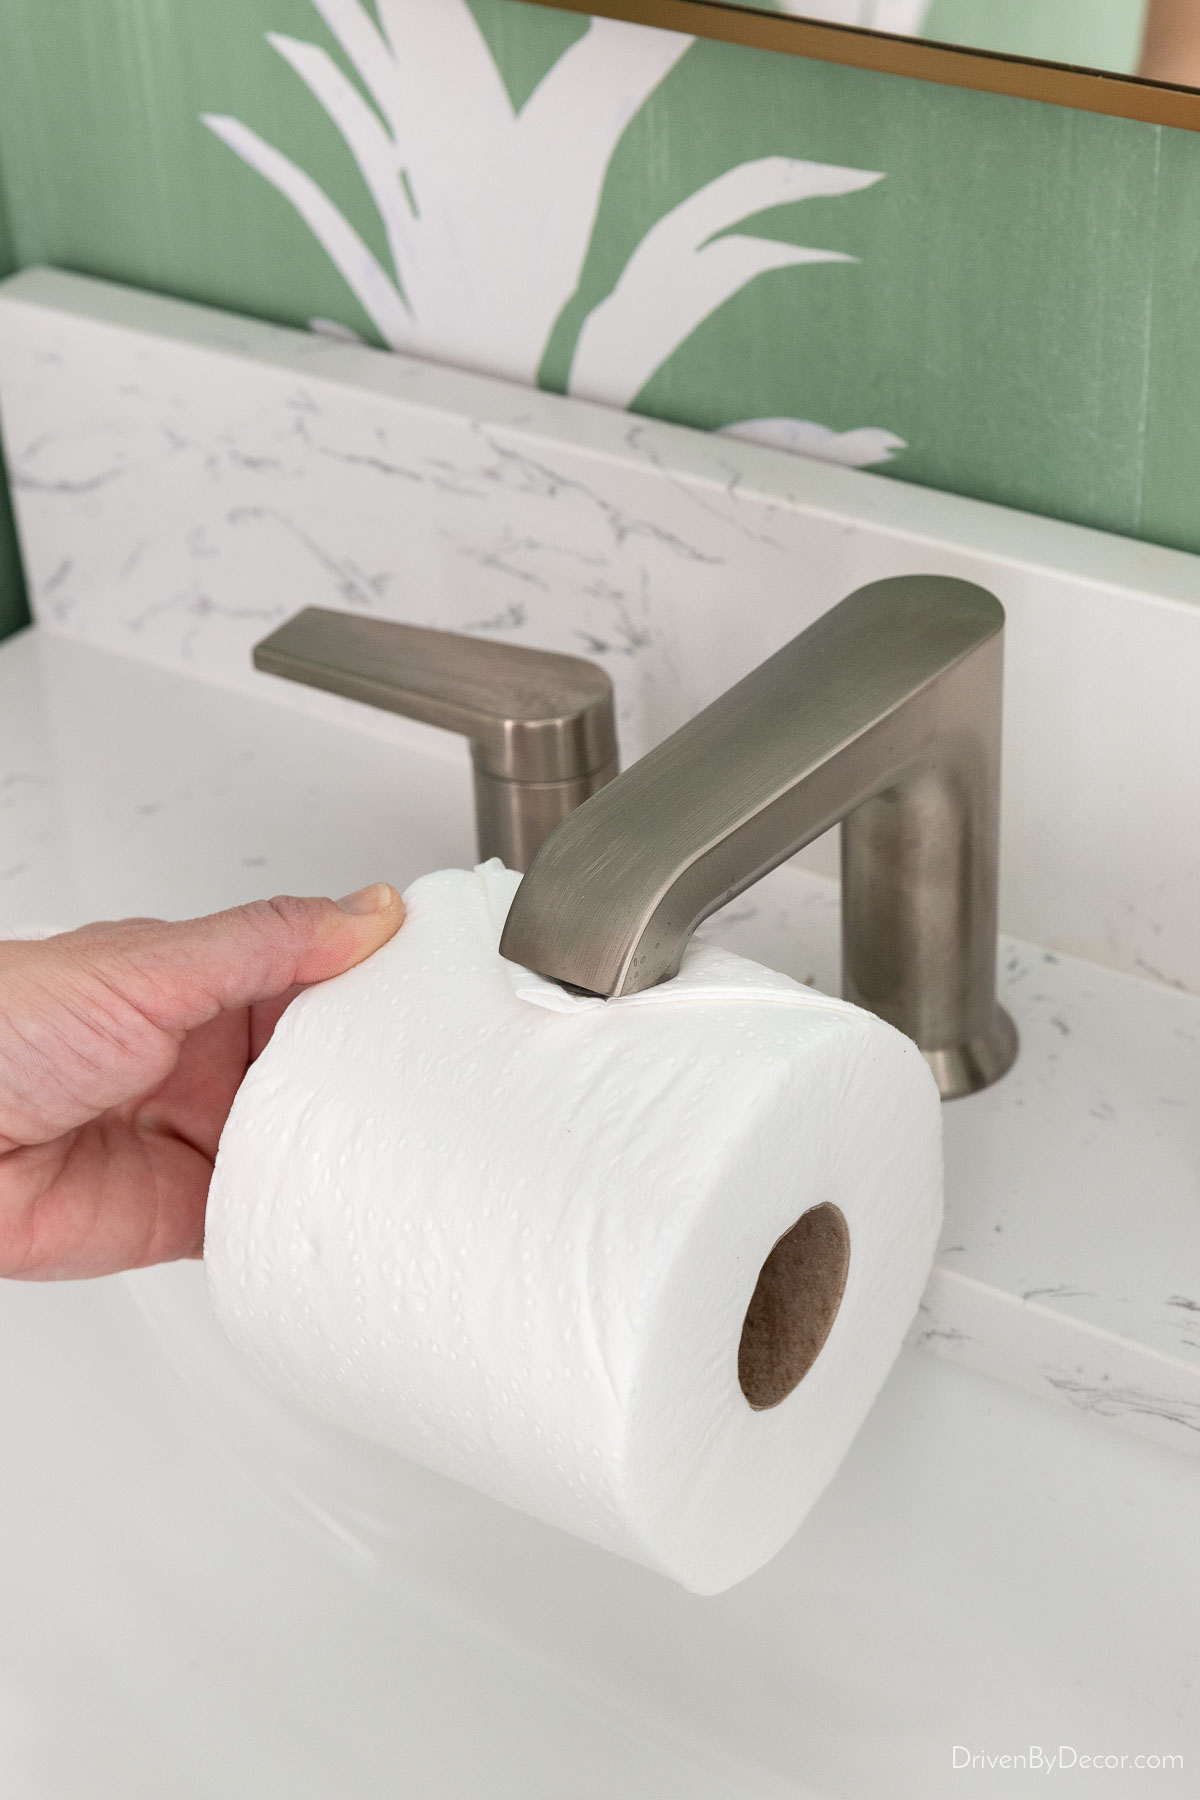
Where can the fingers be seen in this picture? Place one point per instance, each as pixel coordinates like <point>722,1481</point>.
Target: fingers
<point>96,1018</point>
<point>112,1195</point>
<point>178,975</point>
<point>194,1100</point>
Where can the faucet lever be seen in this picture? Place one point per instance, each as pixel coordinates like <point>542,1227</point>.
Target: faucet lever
<point>540,724</point>
<point>884,714</point>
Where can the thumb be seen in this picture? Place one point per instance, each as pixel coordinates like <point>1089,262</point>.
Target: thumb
<point>179,975</point>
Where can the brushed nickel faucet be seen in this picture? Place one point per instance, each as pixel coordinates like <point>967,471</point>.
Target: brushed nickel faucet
<point>541,725</point>
<point>885,715</point>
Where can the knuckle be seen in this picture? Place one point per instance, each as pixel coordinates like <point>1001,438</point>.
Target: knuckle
<point>298,915</point>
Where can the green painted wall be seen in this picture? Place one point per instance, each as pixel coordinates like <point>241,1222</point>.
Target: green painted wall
<point>1022,313</point>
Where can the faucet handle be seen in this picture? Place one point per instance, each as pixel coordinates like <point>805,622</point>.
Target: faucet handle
<point>541,725</point>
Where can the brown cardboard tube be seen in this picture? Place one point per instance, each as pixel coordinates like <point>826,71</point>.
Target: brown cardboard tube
<point>793,1306</point>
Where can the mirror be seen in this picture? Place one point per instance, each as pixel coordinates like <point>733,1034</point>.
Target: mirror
<point>1156,40</point>
<point>1136,59</point>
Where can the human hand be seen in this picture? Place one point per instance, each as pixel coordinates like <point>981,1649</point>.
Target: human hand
<point>121,1049</point>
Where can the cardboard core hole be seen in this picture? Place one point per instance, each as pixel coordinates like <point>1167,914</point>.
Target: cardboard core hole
<point>793,1306</point>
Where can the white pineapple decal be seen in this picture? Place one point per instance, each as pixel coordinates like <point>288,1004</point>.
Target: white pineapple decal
<point>488,210</point>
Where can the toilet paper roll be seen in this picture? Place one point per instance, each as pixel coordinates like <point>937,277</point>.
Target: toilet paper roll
<point>638,1266</point>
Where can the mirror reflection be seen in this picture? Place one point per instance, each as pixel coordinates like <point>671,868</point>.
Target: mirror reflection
<point>1158,40</point>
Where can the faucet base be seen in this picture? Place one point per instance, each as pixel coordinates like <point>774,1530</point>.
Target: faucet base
<point>967,1067</point>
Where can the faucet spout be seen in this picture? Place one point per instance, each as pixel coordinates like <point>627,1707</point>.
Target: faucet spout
<point>884,714</point>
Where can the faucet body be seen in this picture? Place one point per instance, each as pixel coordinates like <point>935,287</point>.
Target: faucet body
<point>885,715</point>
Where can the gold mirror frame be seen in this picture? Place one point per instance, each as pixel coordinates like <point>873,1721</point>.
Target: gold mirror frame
<point>1058,84</point>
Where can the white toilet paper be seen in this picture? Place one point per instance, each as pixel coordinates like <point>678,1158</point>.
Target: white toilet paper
<point>515,1234</point>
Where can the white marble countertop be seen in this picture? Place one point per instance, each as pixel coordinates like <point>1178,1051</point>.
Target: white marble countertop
<point>1070,1262</point>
